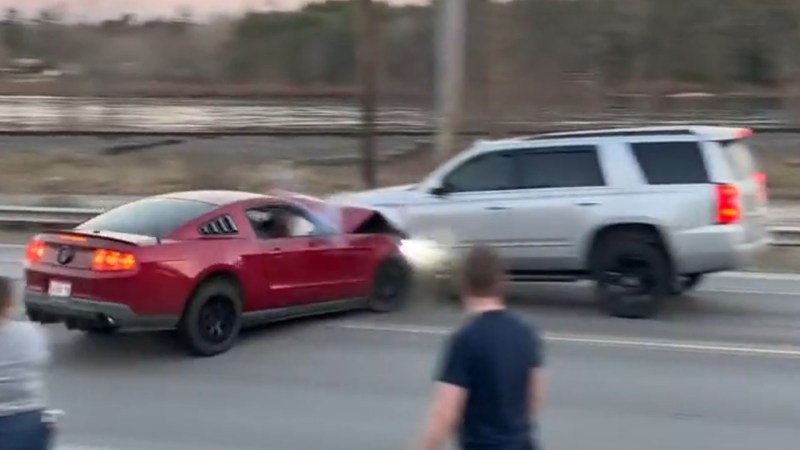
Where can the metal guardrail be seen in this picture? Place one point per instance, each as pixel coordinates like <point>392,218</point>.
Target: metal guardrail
<point>783,236</point>
<point>46,215</point>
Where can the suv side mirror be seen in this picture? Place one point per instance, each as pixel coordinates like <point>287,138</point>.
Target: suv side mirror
<point>439,191</point>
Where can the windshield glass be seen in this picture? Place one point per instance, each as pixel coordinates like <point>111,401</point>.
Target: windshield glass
<point>155,217</point>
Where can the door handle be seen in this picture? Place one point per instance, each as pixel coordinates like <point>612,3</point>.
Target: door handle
<point>498,208</point>
<point>590,203</point>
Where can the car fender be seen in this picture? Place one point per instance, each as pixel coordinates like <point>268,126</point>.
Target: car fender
<point>587,241</point>
<point>231,271</point>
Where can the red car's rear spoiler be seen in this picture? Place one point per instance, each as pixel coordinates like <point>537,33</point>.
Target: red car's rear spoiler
<point>79,235</point>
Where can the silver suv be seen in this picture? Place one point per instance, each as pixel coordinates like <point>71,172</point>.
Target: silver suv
<point>644,212</point>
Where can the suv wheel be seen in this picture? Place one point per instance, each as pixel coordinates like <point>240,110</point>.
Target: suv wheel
<point>633,276</point>
<point>213,318</point>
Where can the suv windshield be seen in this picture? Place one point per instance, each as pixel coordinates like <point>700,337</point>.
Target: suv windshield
<point>155,217</point>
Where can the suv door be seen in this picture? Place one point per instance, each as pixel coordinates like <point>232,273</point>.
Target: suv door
<point>473,200</point>
<point>558,203</point>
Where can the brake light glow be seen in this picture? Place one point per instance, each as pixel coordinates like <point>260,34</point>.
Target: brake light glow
<point>744,133</point>
<point>729,210</point>
<point>113,261</point>
<point>72,238</point>
<point>35,251</point>
<point>761,179</point>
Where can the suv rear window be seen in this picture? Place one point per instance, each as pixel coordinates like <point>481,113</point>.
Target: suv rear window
<point>155,217</point>
<point>739,158</point>
<point>671,162</point>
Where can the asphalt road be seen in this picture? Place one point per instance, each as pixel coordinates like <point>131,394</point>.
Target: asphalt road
<point>717,371</point>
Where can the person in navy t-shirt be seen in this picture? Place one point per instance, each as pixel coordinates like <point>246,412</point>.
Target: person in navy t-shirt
<point>489,383</point>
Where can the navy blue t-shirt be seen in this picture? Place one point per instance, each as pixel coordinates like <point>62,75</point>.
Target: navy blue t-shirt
<point>492,357</point>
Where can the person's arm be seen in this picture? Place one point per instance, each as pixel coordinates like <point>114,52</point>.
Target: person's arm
<point>446,410</point>
<point>39,345</point>
<point>449,399</point>
<point>536,383</point>
<point>536,392</point>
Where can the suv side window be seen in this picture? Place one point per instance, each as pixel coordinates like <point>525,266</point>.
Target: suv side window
<point>488,172</point>
<point>671,162</point>
<point>559,167</point>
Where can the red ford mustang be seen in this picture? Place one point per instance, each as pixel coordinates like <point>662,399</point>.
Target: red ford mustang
<point>208,263</point>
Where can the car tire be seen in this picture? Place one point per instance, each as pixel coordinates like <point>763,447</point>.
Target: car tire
<point>391,286</point>
<point>633,276</point>
<point>213,318</point>
<point>686,283</point>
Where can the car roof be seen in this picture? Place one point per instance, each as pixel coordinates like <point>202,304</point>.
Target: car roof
<point>216,197</point>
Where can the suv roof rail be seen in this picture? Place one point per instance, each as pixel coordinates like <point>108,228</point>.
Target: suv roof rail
<point>612,133</point>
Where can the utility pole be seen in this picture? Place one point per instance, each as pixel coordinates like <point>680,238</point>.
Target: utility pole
<point>368,48</point>
<point>487,26</point>
<point>450,43</point>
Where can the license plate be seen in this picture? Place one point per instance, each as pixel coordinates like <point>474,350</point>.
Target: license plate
<point>59,289</point>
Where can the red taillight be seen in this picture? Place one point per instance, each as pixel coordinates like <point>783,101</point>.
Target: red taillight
<point>728,208</point>
<point>34,252</point>
<point>744,133</point>
<point>761,179</point>
<point>113,261</point>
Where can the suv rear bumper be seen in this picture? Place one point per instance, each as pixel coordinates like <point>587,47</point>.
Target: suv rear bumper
<point>82,314</point>
<point>719,249</point>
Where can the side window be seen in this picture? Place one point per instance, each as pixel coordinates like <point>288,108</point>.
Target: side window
<point>739,158</point>
<point>491,172</point>
<point>671,162</point>
<point>560,167</point>
<point>279,223</point>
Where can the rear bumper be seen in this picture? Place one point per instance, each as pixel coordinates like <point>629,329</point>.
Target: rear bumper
<point>717,249</point>
<point>82,314</point>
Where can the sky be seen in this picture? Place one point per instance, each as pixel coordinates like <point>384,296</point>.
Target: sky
<point>103,9</point>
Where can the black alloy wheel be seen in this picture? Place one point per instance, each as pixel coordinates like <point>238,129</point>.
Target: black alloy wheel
<point>390,286</point>
<point>633,278</point>
<point>213,318</point>
<point>217,319</point>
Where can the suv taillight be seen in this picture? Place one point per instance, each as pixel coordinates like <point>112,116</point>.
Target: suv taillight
<point>35,251</point>
<point>761,179</point>
<point>113,261</point>
<point>728,208</point>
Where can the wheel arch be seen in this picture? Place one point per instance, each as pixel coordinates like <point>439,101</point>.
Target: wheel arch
<point>226,274</point>
<point>639,228</point>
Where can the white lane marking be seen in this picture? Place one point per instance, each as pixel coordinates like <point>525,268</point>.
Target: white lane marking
<point>144,445</point>
<point>605,341</point>
<point>82,447</point>
<point>758,275</point>
<point>90,447</point>
<point>750,292</point>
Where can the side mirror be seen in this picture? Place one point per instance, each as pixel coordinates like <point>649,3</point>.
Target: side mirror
<point>439,191</point>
